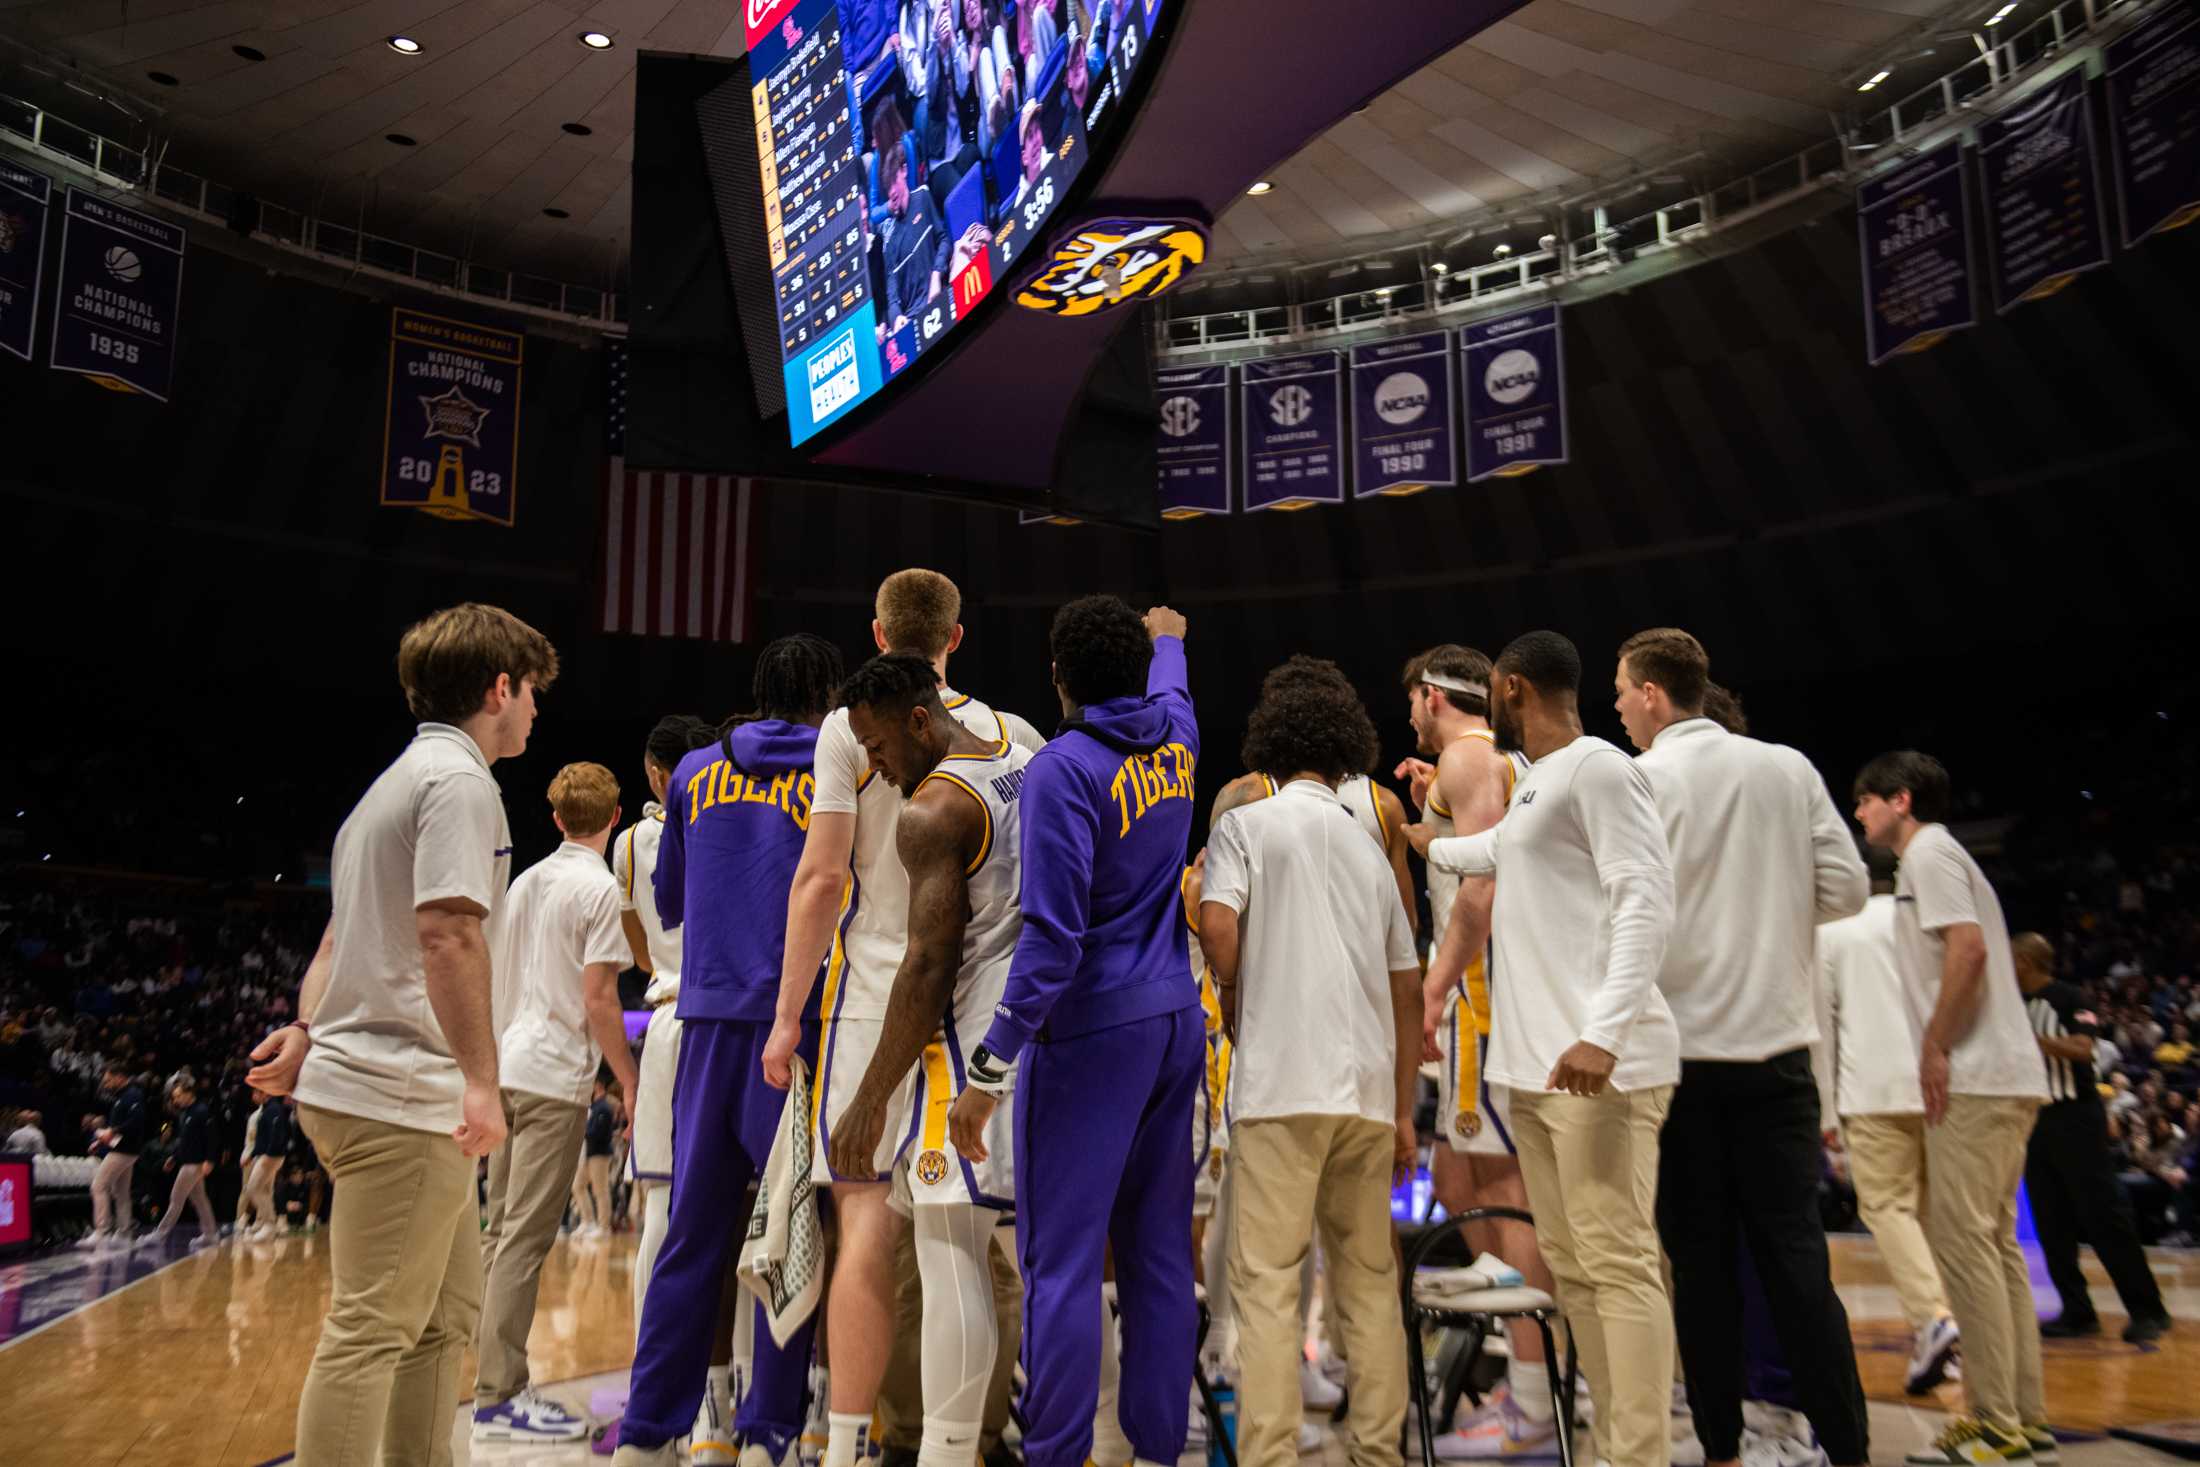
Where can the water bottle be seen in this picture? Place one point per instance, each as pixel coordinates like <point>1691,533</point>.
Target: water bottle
<point>1226,1409</point>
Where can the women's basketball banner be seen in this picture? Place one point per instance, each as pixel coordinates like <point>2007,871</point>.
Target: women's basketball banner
<point>23,196</point>
<point>2154,121</point>
<point>1192,440</point>
<point>121,292</point>
<point>1294,431</point>
<point>450,445</point>
<point>2043,193</point>
<point>1401,416</point>
<point>1914,225</point>
<point>1516,393</point>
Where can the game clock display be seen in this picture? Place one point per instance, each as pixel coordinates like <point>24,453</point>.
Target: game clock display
<point>910,155</point>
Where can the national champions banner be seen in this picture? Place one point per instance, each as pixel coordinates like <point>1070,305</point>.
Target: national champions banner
<point>23,201</point>
<point>2154,121</point>
<point>2043,193</point>
<point>1515,393</point>
<point>1915,231</point>
<point>1401,416</point>
<point>1294,431</point>
<point>1192,441</point>
<point>450,442</point>
<point>121,291</point>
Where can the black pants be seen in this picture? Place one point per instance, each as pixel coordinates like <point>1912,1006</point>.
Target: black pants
<point>2076,1198</point>
<point>1740,1159</point>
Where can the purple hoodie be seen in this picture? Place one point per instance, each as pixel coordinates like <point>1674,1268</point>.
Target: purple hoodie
<point>1107,815</point>
<point>736,813</point>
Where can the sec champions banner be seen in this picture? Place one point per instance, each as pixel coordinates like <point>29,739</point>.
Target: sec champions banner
<point>1192,441</point>
<point>450,442</point>
<point>1294,432</point>
<point>2043,193</point>
<point>121,286</point>
<point>1915,230</point>
<point>1516,393</point>
<point>23,196</point>
<point>1401,416</point>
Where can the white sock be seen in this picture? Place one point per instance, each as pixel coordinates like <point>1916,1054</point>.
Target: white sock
<point>847,1438</point>
<point>947,1444</point>
<point>1531,1389</point>
<point>1110,1448</point>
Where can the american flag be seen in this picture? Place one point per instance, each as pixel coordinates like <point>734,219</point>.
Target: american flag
<point>677,547</point>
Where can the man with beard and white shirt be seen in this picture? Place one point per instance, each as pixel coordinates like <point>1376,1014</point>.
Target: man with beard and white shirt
<point>1580,1036</point>
<point>1760,858</point>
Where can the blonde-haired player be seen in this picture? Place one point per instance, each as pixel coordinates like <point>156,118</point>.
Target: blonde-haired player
<point>849,867</point>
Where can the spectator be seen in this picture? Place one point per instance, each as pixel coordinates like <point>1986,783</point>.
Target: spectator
<point>28,1136</point>
<point>2175,1052</point>
<point>913,242</point>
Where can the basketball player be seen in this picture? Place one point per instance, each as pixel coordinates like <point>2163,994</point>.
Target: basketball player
<point>656,951</point>
<point>1760,858</point>
<point>957,837</point>
<point>1465,791</point>
<point>1580,1037</point>
<point>736,812</point>
<point>849,866</point>
<point>393,1056</point>
<point>1102,1017</point>
<point>1983,1081</point>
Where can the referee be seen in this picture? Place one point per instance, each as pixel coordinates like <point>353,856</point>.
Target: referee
<point>2075,1194</point>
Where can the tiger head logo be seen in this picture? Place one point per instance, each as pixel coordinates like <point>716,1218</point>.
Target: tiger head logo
<point>932,1168</point>
<point>1468,1124</point>
<point>1111,262</point>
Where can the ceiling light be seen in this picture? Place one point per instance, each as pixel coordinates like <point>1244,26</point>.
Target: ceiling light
<point>250,53</point>
<point>1441,268</point>
<point>162,77</point>
<point>557,213</point>
<point>403,45</point>
<point>594,40</point>
<point>400,139</point>
<point>2000,15</point>
<point>578,129</point>
<point>1877,78</point>
<point>1260,188</point>
<point>1502,251</point>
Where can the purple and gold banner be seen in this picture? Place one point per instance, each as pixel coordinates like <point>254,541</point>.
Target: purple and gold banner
<point>121,292</point>
<point>1515,392</point>
<point>23,202</point>
<point>450,443</point>
<point>1192,441</point>
<point>1401,416</point>
<point>2154,121</point>
<point>2043,193</point>
<point>1914,225</point>
<point>1294,431</point>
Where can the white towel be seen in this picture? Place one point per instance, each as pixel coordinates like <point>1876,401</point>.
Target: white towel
<point>783,1261</point>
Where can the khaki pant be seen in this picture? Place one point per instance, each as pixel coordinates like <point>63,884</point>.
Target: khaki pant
<point>404,1295</point>
<point>1290,1174</point>
<point>1887,1163</point>
<point>111,1192</point>
<point>259,1191</point>
<point>901,1393</point>
<point>527,1185</point>
<point>1591,1165</point>
<point>1975,1158</point>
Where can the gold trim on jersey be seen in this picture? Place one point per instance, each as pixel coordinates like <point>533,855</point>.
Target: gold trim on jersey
<point>951,704</point>
<point>985,846</point>
<point>828,1004</point>
<point>939,1095</point>
<point>1268,784</point>
<point>630,862</point>
<point>1375,798</point>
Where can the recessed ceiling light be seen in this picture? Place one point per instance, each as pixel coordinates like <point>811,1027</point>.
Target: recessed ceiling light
<point>594,40</point>
<point>400,139</point>
<point>250,53</point>
<point>164,78</point>
<point>556,213</point>
<point>1502,251</point>
<point>2000,15</point>
<point>578,129</point>
<point>1876,79</point>
<point>1260,188</point>
<point>403,45</point>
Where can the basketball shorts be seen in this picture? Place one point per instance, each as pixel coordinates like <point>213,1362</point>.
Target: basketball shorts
<point>1210,1149</point>
<point>650,1158</point>
<point>1479,1127</point>
<point>915,1152</point>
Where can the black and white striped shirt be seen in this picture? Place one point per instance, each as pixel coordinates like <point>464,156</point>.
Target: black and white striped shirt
<point>2054,1013</point>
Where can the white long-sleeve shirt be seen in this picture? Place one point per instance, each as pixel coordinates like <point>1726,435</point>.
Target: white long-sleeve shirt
<point>1872,1034</point>
<point>1760,858</point>
<point>1583,909</point>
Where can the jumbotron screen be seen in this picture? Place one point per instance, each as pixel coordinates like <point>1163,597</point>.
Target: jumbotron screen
<point>910,153</point>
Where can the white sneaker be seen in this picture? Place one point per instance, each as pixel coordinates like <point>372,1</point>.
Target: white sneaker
<point>1317,1390</point>
<point>1935,1351</point>
<point>1498,1430</point>
<point>711,1443</point>
<point>1310,1438</point>
<point>528,1417</point>
<point>1331,1366</point>
<point>667,1455</point>
<point>93,1239</point>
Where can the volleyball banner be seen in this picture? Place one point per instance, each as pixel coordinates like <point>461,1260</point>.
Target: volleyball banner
<point>2043,193</point>
<point>1515,393</point>
<point>1914,226</point>
<point>450,440</point>
<point>1192,441</point>
<point>1294,431</point>
<point>1401,416</point>
<point>121,291</point>
<point>2154,121</point>
<point>23,200</point>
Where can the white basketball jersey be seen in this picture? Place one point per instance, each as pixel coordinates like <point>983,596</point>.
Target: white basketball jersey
<point>996,782</point>
<point>634,863</point>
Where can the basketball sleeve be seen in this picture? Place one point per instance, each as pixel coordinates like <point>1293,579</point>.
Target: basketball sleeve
<point>603,939</point>
<point>840,765</point>
<point>455,823</point>
<point>1940,880</point>
<point>1228,879</point>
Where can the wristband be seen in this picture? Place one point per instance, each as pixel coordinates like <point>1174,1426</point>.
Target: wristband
<point>301,1026</point>
<point>984,1074</point>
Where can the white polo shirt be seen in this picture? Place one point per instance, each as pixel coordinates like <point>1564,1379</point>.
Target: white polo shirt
<point>1760,858</point>
<point>1579,927</point>
<point>562,916</point>
<point>1321,931</point>
<point>634,868</point>
<point>430,828</point>
<point>1938,886</point>
<point>1870,1027</point>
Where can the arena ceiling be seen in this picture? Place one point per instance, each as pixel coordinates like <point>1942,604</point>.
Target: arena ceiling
<point>509,116</point>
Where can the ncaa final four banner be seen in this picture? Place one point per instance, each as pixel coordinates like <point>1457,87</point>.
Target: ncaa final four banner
<point>1401,416</point>
<point>115,315</point>
<point>2043,193</point>
<point>23,198</point>
<point>2154,121</point>
<point>1914,227</point>
<point>1294,431</point>
<point>450,444</point>
<point>1192,447</point>
<point>1516,393</point>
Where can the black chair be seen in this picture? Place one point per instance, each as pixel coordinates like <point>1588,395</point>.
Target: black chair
<point>1427,1304</point>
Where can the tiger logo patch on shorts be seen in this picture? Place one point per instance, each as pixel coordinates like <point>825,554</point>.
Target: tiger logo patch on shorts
<point>932,1168</point>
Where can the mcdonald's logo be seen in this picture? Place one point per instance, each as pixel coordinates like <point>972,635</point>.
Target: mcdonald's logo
<point>972,284</point>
